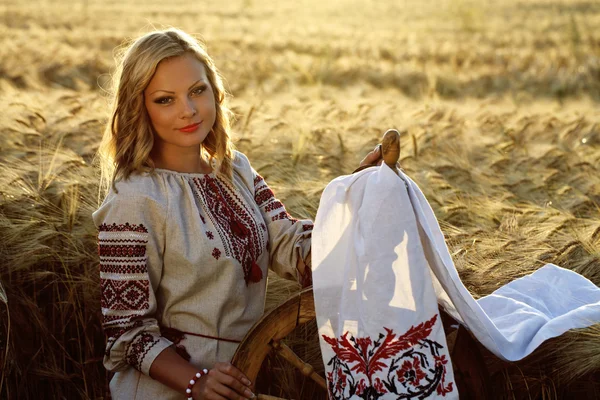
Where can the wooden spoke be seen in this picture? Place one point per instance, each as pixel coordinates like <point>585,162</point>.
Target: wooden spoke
<point>306,369</point>
<point>274,326</point>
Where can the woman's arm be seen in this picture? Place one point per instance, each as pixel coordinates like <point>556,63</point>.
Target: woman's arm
<point>305,270</point>
<point>223,381</point>
<point>304,264</point>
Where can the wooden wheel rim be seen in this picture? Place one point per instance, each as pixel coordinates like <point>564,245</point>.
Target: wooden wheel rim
<point>271,328</point>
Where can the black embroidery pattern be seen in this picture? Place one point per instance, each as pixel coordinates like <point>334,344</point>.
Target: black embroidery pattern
<point>411,363</point>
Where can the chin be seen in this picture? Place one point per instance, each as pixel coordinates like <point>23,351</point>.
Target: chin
<point>193,139</point>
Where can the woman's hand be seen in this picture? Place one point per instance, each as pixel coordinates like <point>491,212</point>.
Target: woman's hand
<point>373,157</point>
<point>223,382</point>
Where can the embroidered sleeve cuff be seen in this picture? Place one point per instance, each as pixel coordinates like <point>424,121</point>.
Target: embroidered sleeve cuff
<point>144,348</point>
<point>305,277</point>
<point>305,240</point>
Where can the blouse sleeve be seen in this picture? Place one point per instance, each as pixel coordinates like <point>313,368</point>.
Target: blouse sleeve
<point>289,238</point>
<point>130,246</point>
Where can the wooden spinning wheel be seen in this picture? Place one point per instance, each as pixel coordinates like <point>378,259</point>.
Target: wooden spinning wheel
<point>267,336</point>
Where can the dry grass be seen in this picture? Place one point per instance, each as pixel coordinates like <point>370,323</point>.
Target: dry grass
<point>497,104</point>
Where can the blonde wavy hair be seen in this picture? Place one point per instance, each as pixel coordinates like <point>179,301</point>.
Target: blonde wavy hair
<point>129,137</point>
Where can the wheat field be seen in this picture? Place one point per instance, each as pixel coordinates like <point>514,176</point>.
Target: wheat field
<point>496,102</point>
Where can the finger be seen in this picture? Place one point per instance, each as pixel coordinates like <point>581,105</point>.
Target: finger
<point>372,157</point>
<point>213,396</point>
<point>229,393</point>
<point>238,386</point>
<point>233,384</point>
<point>236,373</point>
<point>207,391</point>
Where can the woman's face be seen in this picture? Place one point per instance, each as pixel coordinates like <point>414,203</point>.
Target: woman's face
<point>181,104</point>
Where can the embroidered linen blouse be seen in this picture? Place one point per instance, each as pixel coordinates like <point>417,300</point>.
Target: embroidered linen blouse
<point>189,252</point>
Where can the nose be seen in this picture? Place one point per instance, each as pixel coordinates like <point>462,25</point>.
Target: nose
<point>189,109</point>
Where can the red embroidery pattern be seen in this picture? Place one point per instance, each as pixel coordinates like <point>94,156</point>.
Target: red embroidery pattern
<point>411,365</point>
<point>125,295</point>
<point>442,389</point>
<point>265,198</point>
<point>210,235</point>
<point>275,205</point>
<point>123,280</point>
<point>108,267</point>
<point>139,348</point>
<point>284,215</point>
<point>216,253</point>
<point>113,250</point>
<point>122,240</point>
<point>411,372</point>
<point>123,228</point>
<point>307,227</point>
<point>235,224</point>
<point>262,193</point>
<point>119,325</point>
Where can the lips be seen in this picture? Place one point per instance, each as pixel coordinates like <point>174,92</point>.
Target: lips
<point>190,128</point>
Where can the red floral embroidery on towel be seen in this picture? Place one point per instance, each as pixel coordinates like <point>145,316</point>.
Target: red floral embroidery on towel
<point>410,364</point>
<point>442,389</point>
<point>411,372</point>
<point>216,253</point>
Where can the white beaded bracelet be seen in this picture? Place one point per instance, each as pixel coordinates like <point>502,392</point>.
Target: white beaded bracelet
<point>198,375</point>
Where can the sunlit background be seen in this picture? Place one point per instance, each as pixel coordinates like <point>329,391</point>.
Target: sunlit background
<point>497,103</point>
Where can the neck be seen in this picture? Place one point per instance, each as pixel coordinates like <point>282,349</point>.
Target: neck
<point>182,160</point>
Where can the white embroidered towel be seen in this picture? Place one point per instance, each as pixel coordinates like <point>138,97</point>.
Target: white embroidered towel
<point>380,330</point>
<point>377,251</point>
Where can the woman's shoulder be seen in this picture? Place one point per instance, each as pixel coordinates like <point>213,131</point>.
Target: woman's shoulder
<point>141,185</point>
<point>243,169</point>
<point>138,192</point>
<point>240,161</point>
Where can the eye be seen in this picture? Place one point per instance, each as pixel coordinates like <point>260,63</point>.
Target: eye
<point>163,100</point>
<point>198,90</point>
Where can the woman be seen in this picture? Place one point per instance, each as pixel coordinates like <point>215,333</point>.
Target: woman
<point>187,229</point>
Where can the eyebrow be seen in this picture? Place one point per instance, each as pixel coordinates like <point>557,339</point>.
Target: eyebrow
<point>192,85</point>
